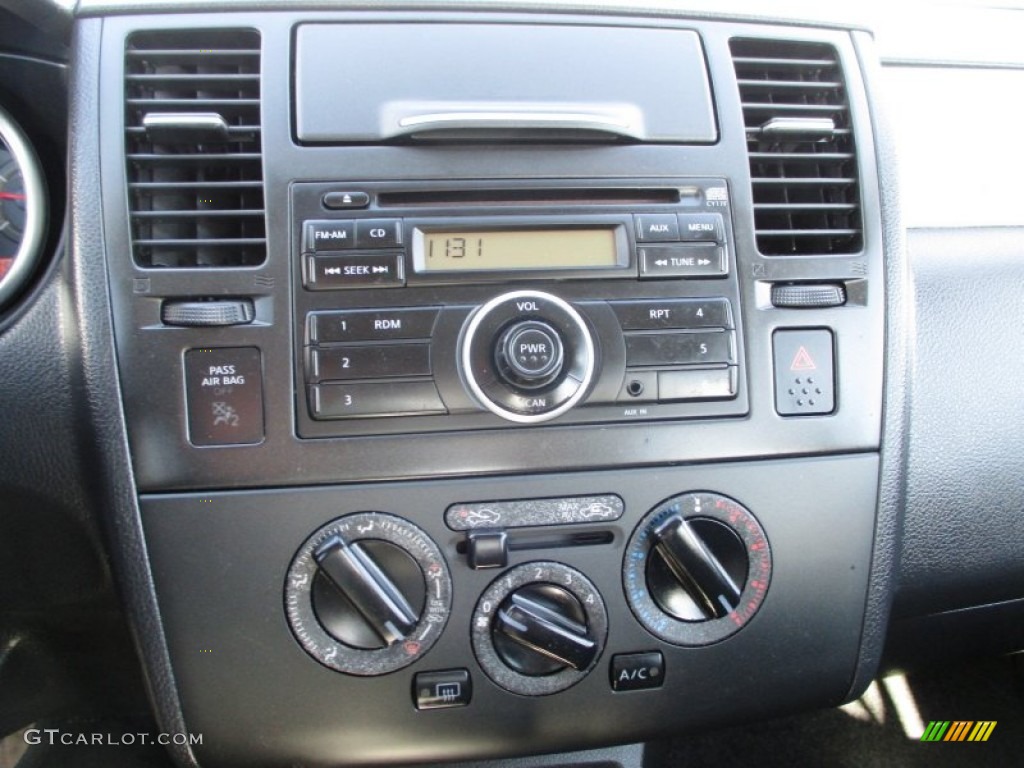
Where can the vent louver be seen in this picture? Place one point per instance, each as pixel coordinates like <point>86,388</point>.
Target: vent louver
<point>193,148</point>
<point>801,147</point>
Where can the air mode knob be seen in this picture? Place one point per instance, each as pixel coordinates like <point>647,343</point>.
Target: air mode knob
<point>368,594</point>
<point>697,569</point>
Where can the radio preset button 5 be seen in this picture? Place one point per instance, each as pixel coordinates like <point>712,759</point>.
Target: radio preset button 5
<point>686,261</point>
<point>378,233</point>
<point>679,348</point>
<point>326,273</point>
<point>656,227</point>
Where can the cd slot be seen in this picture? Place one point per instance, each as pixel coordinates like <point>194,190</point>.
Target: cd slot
<point>577,196</point>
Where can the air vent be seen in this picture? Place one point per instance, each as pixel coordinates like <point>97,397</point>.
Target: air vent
<point>192,123</point>
<point>801,147</point>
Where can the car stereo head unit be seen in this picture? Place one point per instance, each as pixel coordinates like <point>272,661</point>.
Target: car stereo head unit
<point>434,306</point>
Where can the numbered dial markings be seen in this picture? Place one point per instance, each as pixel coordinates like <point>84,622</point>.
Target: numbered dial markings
<point>643,570</point>
<point>536,574</point>
<point>369,530</point>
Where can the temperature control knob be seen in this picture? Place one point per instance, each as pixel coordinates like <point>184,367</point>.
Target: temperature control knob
<point>539,628</point>
<point>368,594</point>
<point>697,569</point>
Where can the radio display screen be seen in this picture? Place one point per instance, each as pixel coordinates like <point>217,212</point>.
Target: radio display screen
<point>511,249</point>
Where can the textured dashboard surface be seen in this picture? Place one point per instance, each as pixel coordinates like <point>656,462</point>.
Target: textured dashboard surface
<point>963,525</point>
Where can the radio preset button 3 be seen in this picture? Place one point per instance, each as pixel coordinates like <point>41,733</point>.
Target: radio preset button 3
<point>389,398</point>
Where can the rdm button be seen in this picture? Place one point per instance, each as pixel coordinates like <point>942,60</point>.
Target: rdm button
<point>224,391</point>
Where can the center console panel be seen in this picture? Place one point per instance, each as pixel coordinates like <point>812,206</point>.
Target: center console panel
<point>519,404</point>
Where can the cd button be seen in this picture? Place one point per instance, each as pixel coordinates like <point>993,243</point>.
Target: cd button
<point>378,233</point>
<point>656,227</point>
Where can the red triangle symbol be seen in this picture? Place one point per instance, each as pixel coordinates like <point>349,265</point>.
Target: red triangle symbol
<point>803,361</point>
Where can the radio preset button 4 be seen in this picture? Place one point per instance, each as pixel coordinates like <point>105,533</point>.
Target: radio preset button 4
<point>658,314</point>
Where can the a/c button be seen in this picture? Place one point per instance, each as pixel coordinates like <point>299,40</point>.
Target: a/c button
<point>635,671</point>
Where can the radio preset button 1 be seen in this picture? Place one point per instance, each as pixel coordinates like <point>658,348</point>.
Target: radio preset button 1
<point>370,361</point>
<point>679,348</point>
<point>378,233</point>
<point>656,227</point>
<point>372,325</point>
<point>657,314</point>
<point>334,235</point>
<point>685,261</point>
<point>707,227</point>
<point>389,398</point>
<point>326,273</point>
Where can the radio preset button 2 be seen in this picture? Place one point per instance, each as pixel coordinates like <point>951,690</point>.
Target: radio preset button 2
<point>324,273</point>
<point>370,361</point>
<point>656,227</point>
<point>682,261</point>
<point>705,227</point>
<point>378,233</point>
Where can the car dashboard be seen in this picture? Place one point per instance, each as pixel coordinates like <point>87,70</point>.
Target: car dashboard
<point>420,383</point>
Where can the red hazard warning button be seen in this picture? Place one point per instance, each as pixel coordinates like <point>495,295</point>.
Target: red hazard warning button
<point>804,372</point>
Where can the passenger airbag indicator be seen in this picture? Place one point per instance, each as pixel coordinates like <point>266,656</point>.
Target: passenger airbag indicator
<point>224,394</point>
